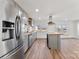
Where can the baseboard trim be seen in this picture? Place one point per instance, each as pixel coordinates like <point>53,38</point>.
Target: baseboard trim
<point>69,38</point>
<point>41,38</point>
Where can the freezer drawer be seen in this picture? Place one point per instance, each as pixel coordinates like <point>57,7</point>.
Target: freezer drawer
<point>18,54</point>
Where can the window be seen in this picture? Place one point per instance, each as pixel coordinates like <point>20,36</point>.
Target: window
<point>78,28</point>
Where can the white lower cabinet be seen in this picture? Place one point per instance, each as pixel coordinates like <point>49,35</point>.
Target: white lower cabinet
<point>31,39</point>
<point>25,43</point>
<point>53,41</point>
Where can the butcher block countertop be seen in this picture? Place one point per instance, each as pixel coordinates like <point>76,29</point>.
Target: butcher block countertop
<point>29,33</point>
<point>55,33</point>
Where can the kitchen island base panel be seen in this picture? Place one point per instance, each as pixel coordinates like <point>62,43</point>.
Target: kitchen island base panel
<point>53,41</point>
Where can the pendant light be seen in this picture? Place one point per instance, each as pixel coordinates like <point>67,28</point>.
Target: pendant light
<point>50,21</point>
<point>30,21</point>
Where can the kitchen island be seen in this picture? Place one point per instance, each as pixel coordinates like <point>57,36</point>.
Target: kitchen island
<point>53,40</point>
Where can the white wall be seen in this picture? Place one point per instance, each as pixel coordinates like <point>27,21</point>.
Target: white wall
<point>71,27</point>
<point>70,24</point>
<point>75,28</point>
<point>41,23</point>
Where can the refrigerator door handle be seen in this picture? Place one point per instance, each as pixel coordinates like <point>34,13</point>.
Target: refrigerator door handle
<point>17,27</point>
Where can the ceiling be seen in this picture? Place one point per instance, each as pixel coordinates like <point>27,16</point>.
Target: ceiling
<point>60,9</point>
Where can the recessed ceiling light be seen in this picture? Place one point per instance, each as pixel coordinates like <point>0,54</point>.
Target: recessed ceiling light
<point>37,10</point>
<point>20,13</point>
<point>24,17</point>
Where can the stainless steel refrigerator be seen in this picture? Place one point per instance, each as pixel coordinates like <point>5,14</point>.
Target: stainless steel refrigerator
<point>11,43</point>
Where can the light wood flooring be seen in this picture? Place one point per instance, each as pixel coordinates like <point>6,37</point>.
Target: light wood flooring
<point>39,50</point>
<point>69,50</point>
